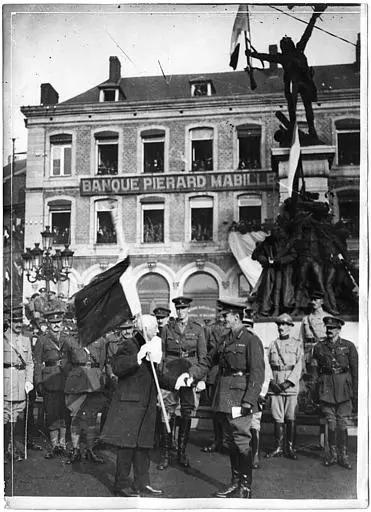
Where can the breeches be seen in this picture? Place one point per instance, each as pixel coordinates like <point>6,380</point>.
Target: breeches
<point>55,409</point>
<point>188,398</point>
<point>283,407</point>
<point>237,431</point>
<point>337,414</point>
<point>13,410</point>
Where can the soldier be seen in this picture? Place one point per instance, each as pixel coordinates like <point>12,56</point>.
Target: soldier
<point>40,304</point>
<point>336,363</point>
<point>18,378</point>
<point>50,378</point>
<point>239,383</point>
<point>84,393</point>
<point>31,427</point>
<point>285,360</point>
<point>115,340</point>
<point>162,314</point>
<point>183,345</point>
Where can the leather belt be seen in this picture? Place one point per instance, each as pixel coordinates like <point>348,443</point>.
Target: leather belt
<point>233,373</point>
<point>53,363</point>
<point>181,353</point>
<point>284,367</point>
<point>333,371</point>
<point>86,365</point>
<point>16,366</point>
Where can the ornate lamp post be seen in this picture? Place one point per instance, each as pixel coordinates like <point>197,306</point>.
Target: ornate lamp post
<point>42,265</point>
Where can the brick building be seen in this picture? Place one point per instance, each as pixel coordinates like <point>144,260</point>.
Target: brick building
<point>179,159</point>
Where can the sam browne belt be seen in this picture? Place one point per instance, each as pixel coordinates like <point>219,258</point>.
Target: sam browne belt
<point>282,368</point>
<point>87,365</point>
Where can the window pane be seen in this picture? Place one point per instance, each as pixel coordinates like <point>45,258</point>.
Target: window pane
<point>107,158</point>
<point>153,156</point>
<point>200,90</point>
<point>349,211</point>
<point>202,155</point>
<point>67,160</point>
<point>348,148</point>
<point>106,233</point>
<point>56,155</point>
<point>153,290</point>
<point>61,227</point>
<point>109,95</point>
<point>249,150</point>
<point>251,216</point>
<point>202,224</point>
<point>153,226</point>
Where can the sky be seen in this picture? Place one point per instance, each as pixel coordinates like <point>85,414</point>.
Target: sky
<point>69,45</point>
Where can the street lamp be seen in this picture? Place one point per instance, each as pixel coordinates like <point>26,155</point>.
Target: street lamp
<point>42,265</point>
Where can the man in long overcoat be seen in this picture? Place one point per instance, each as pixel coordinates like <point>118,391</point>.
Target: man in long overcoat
<point>130,423</point>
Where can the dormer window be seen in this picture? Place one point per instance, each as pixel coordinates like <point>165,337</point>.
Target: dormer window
<point>201,87</point>
<point>109,94</point>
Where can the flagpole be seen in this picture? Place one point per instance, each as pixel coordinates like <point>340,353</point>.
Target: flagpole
<point>249,67</point>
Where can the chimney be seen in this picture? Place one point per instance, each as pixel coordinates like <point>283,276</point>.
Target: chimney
<point>114,69</point>
<point>49,95</point>
<point>273,51</point>
<point>358,52</point>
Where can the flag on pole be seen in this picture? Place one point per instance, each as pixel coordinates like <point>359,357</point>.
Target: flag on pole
<point>294,160</point>
<point>242,247</point>
<point>241,23</point>
<point>107,300</point>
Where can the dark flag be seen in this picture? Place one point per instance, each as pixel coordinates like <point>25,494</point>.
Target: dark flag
<point>106,301</point>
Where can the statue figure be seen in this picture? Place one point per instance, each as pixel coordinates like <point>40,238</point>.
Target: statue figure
<point>297,75</point>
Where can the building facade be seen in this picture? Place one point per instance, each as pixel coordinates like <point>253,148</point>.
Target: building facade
<point>176,161</point>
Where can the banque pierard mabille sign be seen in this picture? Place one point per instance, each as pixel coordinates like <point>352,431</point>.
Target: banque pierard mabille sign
<point>165,183</point>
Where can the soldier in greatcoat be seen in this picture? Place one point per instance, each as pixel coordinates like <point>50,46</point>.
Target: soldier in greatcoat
<point>239,383</point>
<point>50,378</point>
<point>285,361</point>
<point>130,423</point>
<point>336,363</point>
<point>18,378</point>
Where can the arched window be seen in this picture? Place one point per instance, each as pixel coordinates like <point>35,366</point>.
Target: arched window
<point>153,144</point>
<point>153,290</point>
<point>348,141</point>
<point>204,290</point>
<point>60,220</point>
<point>105,232</point>
<point>107,143</point>
<point>202,147</point>
<point>249,142</point>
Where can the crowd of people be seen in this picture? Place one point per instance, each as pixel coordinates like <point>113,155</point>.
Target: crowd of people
<point>106,392</point>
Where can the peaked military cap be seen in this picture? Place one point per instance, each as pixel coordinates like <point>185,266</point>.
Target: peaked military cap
<point>317,295</point>
<point>182,302</point>
<point>54,317</point>
<point>333,321</point>
<point>17,314</point>
<point>231,306</point>
<point>161,312</point>
<point>285,318</point>
<point>126,324</point>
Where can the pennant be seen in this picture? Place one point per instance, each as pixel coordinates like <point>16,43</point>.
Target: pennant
<point>241,23</point>
<point>294,159</point>
<point>107,300</point>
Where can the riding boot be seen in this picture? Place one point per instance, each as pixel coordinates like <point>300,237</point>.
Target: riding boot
<point>246,475</point>
<point>217,444</point>
<point>343,459</point>
<point>255,438</point>
<point>331,456</point>
<point>290,437</point>
<point>90,439</point>
<point>172,444</point>
<point>75,455</point>
<point>233,488</point>
<point>279,432</point>
<point>185,427</point>
<point>164,448</point>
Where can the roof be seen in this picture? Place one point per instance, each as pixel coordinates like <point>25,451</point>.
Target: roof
<point>19,168</point>
<point>152,88</point>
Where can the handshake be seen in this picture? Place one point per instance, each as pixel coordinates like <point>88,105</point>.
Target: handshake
<point>185,381</point>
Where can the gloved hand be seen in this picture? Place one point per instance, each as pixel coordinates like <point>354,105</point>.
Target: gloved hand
<point>28,386</point>
<point>40,389</point>
<point>184,380</point>
<point>142,352</point>
<point>274,387</point>
<point>246,409</point>
<point>286,385</point>
<point>200,386</point>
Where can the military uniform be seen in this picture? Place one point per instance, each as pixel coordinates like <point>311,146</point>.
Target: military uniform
<point>239,382</point>
<point>18,373</point>
<point>336,364</point>
<point>50,377</point>
<point>84,391</point>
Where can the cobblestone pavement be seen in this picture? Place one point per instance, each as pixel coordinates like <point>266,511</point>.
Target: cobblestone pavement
<point>279,478</point>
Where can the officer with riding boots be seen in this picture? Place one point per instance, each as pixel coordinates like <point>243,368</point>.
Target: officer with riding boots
<point>18,378</point>
<point>336,363</point>
<point>50,378</point>
<point>183,345</point>
<point>285,361</point>
<point>239,383</point>
<point>84,394</point>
